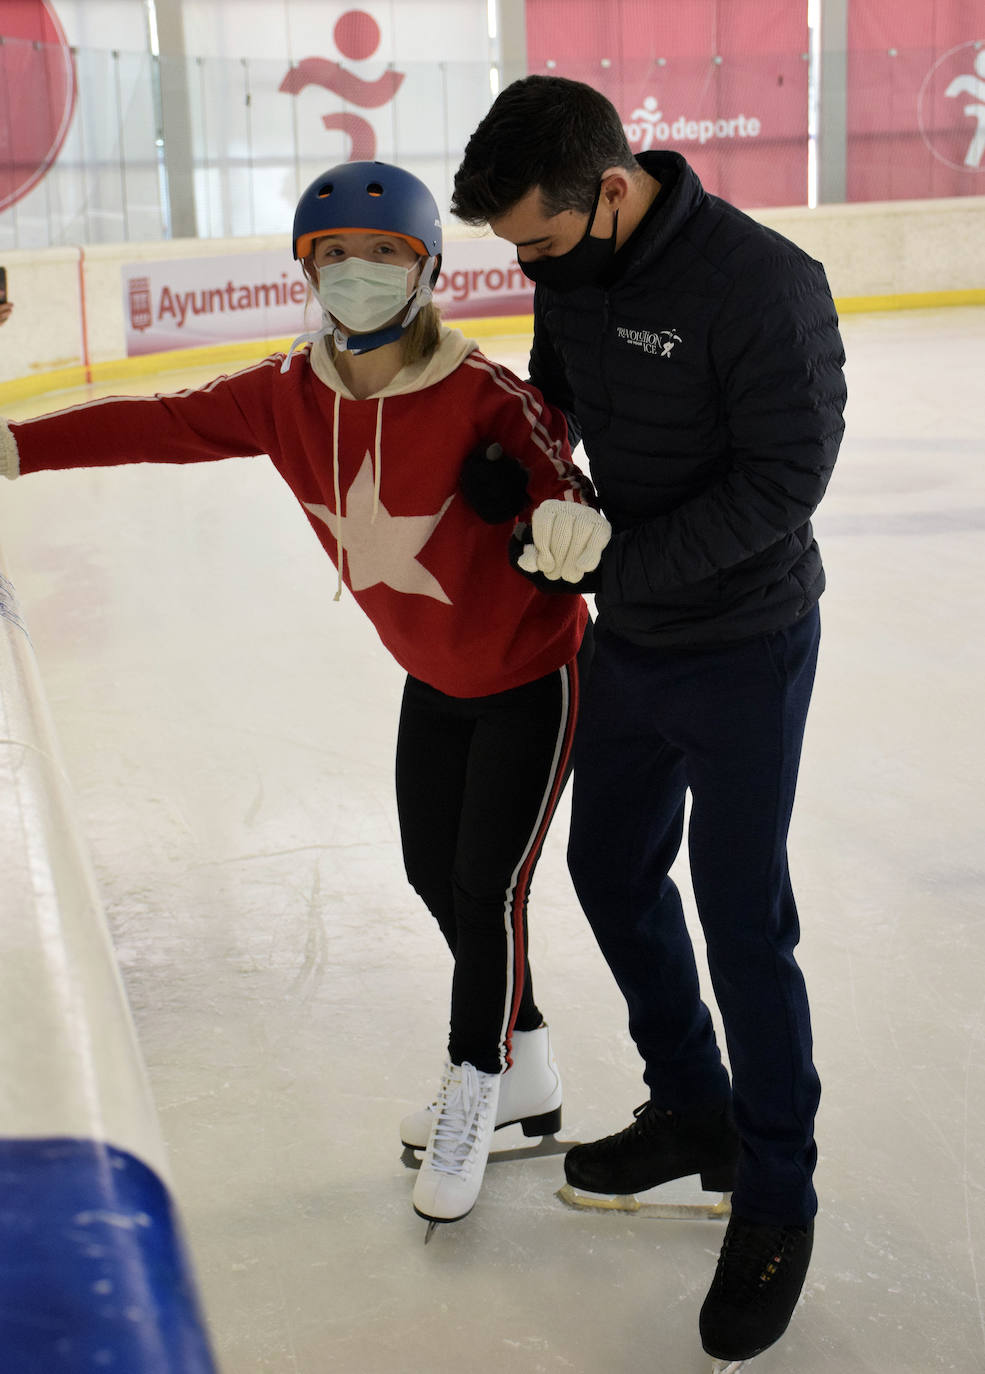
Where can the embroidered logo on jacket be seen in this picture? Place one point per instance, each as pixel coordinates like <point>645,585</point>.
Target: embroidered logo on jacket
<point>660,344</point>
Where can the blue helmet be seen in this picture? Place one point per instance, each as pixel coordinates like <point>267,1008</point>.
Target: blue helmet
<point>366,197</point>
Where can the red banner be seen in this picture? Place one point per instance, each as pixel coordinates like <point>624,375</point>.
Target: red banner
<point>724,82</point>
<point>37,78</point>
<point>915,100</point>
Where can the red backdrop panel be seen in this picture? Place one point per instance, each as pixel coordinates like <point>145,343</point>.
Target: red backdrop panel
<point>722,81</point>
<point>37,94</point>
<point>915,99</point>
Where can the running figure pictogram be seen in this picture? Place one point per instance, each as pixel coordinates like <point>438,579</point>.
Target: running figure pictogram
<point>357,36</point>
<point>973,86</point>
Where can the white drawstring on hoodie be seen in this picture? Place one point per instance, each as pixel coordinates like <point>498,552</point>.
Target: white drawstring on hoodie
<point>336,407</point>
<point>377,478</point>
<point>327,373</point>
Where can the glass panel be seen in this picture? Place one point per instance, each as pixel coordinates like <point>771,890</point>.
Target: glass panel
<point>100,145</point>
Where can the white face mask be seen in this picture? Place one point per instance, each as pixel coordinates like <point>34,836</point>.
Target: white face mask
<point>363,296</point>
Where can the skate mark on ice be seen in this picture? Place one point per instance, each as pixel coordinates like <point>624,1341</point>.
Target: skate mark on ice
<point>973,1059</point>
<point>308,978</point>
<point>255,806</point>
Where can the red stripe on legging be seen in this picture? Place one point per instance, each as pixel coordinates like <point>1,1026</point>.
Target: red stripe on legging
<point>524,876</point>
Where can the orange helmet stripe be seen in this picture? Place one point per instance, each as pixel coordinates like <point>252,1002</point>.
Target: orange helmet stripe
<point>306,242</point>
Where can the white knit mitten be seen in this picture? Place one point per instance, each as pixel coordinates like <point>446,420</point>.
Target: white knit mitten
<point>568,540</point>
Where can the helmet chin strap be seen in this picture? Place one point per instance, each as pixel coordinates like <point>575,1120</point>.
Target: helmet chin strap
<point>365,343</point>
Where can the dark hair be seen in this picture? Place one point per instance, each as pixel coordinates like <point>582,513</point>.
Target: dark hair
<point>541,131</point>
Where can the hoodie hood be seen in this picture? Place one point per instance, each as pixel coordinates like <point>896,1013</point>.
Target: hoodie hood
<point>453,348</point>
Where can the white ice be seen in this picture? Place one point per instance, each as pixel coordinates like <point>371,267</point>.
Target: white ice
<point>229,733</point>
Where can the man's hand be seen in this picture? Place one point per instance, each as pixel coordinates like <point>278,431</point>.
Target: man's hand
<point>493,483</point>
<point>568,541</point>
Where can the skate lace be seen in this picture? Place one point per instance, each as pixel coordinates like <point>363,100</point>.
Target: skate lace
<point>649,1121</point>
<point>463,1102</point>
<point>751,1259</point>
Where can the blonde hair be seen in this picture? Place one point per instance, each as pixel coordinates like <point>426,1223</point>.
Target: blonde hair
<point>422,335</point>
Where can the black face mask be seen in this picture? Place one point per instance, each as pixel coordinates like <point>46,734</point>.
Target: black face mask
<point>582,265</point>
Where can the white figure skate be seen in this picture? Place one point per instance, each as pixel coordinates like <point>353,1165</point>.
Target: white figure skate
<point>461,1133</point>
<point>529,1093</point>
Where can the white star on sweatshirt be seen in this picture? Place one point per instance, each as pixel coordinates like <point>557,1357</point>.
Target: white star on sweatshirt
<point>385,549</point>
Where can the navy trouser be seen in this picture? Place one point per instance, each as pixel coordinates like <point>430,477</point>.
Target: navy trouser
<point>727,723</point>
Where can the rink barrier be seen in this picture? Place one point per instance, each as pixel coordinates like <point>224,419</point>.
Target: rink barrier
<point>221,357</point>
<point>94,1273</point>
<point>69,325</point>
<point>227,357</point>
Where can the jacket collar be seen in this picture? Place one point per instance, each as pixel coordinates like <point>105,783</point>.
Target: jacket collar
<point>680,196</point>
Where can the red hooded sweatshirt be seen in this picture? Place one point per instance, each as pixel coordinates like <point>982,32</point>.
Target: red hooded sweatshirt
<point>432,577</point>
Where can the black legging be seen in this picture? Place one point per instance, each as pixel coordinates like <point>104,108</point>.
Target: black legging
<point>478,780</point>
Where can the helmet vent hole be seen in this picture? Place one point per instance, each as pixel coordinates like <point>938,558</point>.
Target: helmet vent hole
<point>374,188</point>
<point>325,190</point>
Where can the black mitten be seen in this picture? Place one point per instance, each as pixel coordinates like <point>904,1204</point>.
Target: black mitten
<point>493,483</point>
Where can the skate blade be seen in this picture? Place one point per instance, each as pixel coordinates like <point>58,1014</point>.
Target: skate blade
<point>412,1155</point>
<point>728,1366</point>
<point>434,1222</point>
<point>666,1211</point>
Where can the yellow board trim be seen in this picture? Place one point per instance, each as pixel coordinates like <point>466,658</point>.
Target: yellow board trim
<point>495,326</point>
<point>149,364</point>
<point>498,326</point>
<point>914,300</point>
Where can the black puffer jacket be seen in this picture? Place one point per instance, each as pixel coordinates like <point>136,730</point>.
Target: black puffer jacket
<point>706,380</point>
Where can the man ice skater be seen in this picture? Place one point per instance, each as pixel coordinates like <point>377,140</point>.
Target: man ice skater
<point>698,356</point>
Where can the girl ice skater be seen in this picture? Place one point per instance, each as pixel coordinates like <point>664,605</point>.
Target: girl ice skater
<point>369,426</point>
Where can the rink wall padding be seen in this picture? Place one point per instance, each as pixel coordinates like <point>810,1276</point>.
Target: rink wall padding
<point>75,307</point>
<point>93,1273</point>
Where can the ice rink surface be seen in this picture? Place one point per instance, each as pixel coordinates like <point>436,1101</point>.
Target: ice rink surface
<point>229,732</point>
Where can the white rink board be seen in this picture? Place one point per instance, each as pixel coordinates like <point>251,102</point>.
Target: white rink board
<point>69,1062</point>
